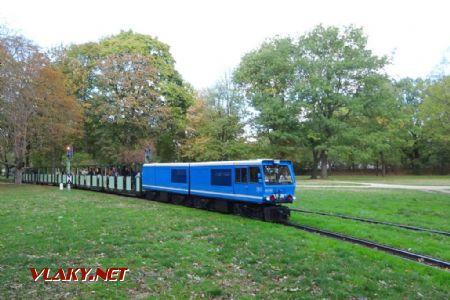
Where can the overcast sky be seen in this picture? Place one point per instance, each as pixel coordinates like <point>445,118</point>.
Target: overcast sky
<point>208,38</point>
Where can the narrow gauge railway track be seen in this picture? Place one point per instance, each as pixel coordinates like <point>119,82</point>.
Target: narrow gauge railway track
<point>427,260</point>
<point>409,227</point>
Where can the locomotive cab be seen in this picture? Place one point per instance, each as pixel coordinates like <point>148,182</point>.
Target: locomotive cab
<point>279,181</point>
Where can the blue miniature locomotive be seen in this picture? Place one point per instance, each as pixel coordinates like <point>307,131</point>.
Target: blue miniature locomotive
<point>251,187</point>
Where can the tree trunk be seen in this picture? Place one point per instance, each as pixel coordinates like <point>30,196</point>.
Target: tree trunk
<point>416,157</point>
<point>323,164</point>
<point>53,159</point>
<point>378,168</point>
<point>18,175</point>
<point>20,146</point>
<point>6,166</point>
<point>383,164</point>
<point>315,164</point>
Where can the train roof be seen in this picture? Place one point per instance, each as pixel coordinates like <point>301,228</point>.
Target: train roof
<point>219,163</point>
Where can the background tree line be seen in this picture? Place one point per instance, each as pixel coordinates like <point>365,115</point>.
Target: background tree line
<point>322,99</point>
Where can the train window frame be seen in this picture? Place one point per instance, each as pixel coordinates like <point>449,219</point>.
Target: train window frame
<point>241,175</point>
<point>237,175</point>
<point>221,177</point>
<point>178,178</point>
<point>251,176</point>
<point>276,170</point>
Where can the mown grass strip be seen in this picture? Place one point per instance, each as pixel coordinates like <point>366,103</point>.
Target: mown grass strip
<point>328,214</point>
<point>178,252</point>
<point>415,208</point>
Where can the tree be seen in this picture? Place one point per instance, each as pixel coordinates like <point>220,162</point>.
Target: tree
<point>131,92</point>
<point>379,126</point>
<point>411,93</point>
<point>215,125</point>
<point>435,115</point>
<point>35,112</point>
<point>125,106</point>
<point>58,119</point>
<point>267,77</point>
<point>307,90</point>
<point>5,144</point>
<point>334,67</point>
<point>19,71</point>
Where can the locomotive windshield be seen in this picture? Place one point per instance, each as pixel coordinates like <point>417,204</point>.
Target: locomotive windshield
<point>277,174</point>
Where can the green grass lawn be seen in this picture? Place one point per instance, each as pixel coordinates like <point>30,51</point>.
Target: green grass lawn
<point>178,252</point>
<point>437,246</point>
<point>429,210</point>
<point>417,208</point>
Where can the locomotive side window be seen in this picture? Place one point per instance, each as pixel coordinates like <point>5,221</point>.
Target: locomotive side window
<point>178,176</point>
<point>241,175</point>
<point>221,177</point>
<point>254,171</point>
<point>244,175</point>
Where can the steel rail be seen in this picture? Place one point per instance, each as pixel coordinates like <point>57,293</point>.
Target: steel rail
<point>446,233</point>
<point>398,252</point>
